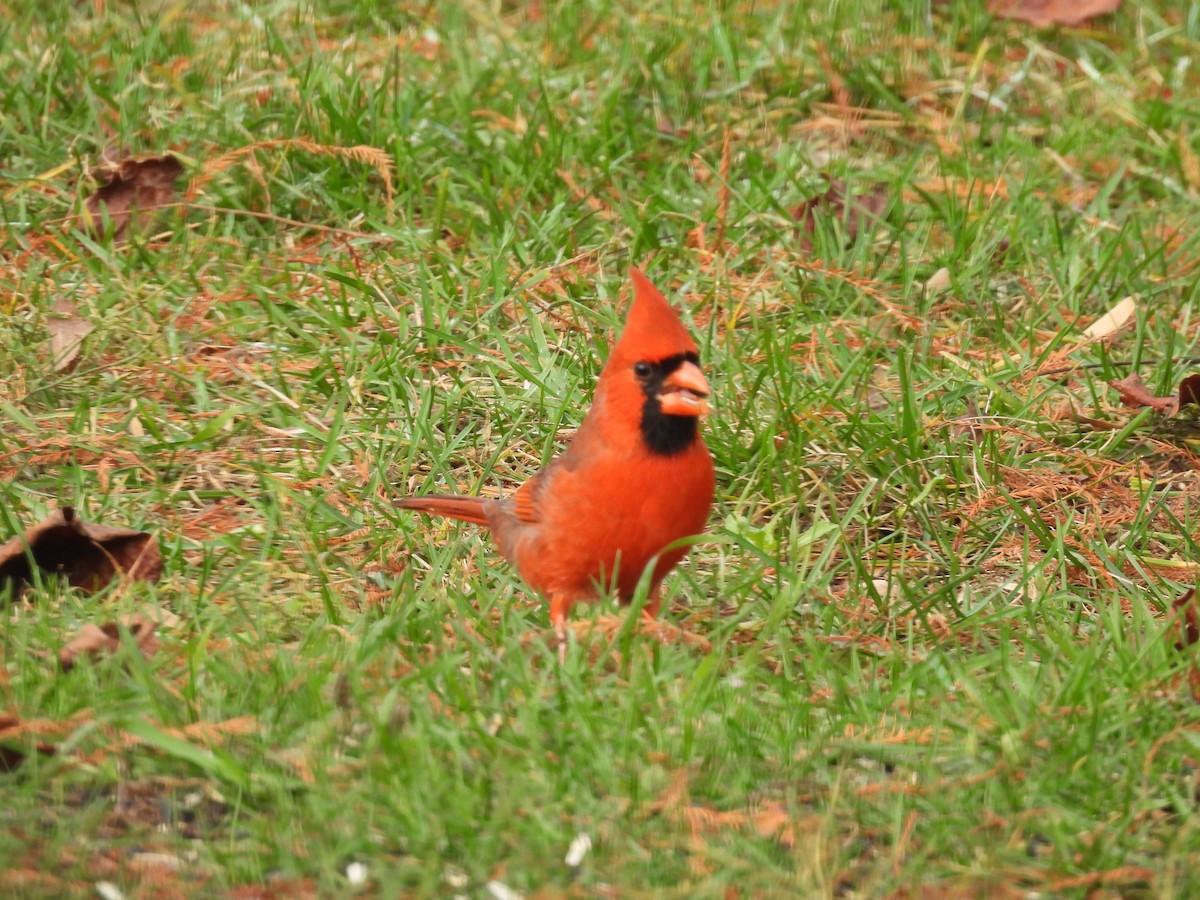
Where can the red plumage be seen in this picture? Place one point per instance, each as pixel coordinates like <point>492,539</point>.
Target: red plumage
<point>635,479</point>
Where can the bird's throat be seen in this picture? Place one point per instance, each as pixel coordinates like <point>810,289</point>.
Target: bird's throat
<point>666,435</point>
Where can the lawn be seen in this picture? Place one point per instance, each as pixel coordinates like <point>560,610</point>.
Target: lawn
<point>933,642</point>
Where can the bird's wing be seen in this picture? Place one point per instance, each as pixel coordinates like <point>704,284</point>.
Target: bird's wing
<point>526,504</point>
<point>523,505</point>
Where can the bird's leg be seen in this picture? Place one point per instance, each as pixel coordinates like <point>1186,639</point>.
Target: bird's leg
<point>650,615</point>
<point>653,604</point>
<point>559,607</point>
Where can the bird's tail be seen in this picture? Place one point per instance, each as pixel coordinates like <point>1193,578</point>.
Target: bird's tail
<point>452,506</point>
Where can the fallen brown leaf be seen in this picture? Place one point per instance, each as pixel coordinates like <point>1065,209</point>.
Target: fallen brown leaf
<point>67,331</point>
<point>1044,13</point>
<point>1189,391</point>
<point>857,212</point>
<point>1187,624</point>
<point>136,189</point>
<point>1135,393</point>
<point>1112,321</point>
<point>669,128</point>
<point>98,640</point>
<point>939,281</point>
<point>90,556</point>
<point>12,729</point>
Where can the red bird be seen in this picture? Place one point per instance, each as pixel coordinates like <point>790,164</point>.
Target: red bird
<point>634,480</point>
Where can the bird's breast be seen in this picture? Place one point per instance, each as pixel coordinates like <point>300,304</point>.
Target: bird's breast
<point>607,515</point>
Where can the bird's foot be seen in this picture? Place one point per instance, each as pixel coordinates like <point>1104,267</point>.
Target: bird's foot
<point>667,633</point>
<point>560,632</point>
<point>560,606</point>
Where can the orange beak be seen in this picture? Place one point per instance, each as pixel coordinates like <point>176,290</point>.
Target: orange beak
<point>685,392</point>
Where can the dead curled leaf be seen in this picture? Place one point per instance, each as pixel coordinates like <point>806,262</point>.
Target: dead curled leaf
<point>1187,623</point>
<point>1135,393</point>
<point>1189,391</point>
<point>12,729</point>
<point>1044,13</point>
<point>136,189</point>
<point>67,331</point>
<point>97,640</point>
<point>856,212</point>
<point>91,556</point>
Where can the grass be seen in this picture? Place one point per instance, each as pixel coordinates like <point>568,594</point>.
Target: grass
<point>937,587</point>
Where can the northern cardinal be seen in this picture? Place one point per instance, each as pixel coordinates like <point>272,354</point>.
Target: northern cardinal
<point>635,478</point>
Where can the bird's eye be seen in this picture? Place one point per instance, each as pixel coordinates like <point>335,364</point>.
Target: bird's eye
<point>641,369</point>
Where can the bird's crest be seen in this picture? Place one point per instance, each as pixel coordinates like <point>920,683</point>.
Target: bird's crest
<point>653,330</point>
